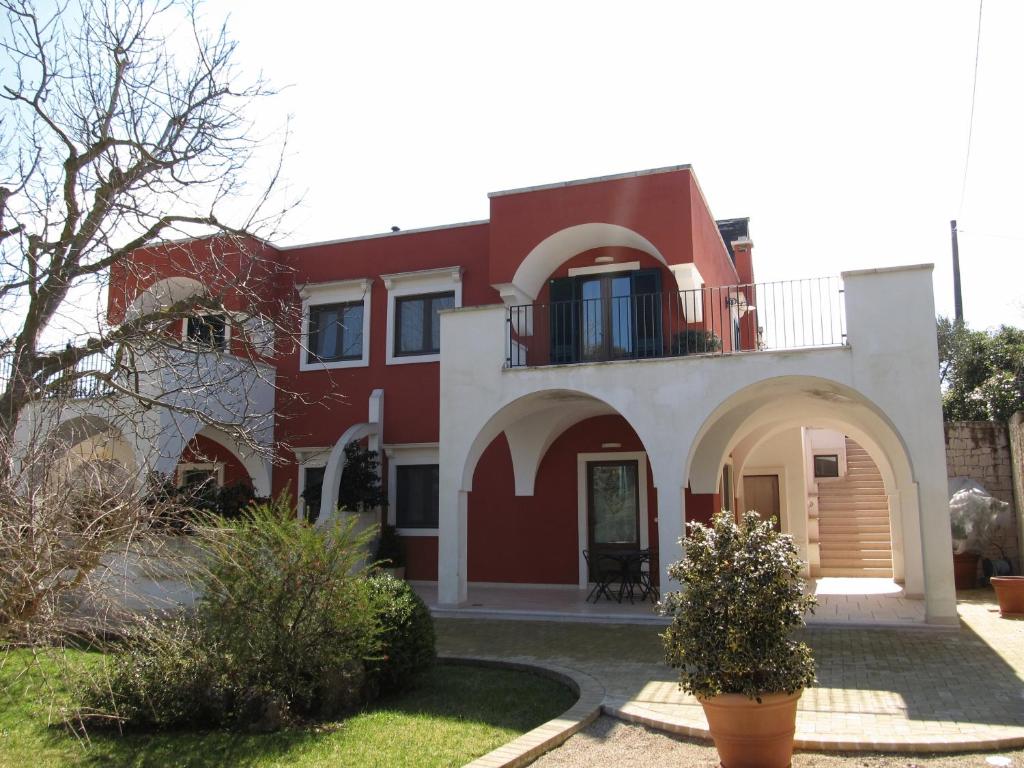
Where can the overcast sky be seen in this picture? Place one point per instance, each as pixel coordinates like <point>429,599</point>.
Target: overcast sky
<point>839,128</point>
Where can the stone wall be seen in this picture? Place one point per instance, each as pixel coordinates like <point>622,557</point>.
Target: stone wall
<point>980,450</point>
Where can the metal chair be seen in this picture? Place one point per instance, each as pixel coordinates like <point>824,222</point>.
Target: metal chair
<point>603,570</point>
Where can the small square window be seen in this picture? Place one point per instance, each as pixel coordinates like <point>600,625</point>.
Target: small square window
<point>194,479</point>
<point>417,498</point>
<point>417,325</point>
<point>826,465</point>
<point>207,331</point>
<point>335,332</point>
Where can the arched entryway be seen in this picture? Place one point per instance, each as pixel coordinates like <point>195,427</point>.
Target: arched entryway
<point>767,413</point>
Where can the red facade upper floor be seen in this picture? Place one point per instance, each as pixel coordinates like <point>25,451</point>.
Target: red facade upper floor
<point>656,220</point>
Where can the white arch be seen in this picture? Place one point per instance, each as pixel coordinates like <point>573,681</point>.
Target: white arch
<point>531,425</point>
<point>164,293</point>
<point>749,417</point>
<point>255,465</point>
<point>336,466</point>
<point>554,250</point>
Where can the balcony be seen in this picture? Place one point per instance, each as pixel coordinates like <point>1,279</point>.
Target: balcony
<point>720,320</point>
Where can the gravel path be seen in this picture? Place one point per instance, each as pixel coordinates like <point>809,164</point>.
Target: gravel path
<point>612,742</point>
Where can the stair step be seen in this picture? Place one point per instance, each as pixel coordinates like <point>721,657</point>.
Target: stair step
<point>862,538</point>
<point>856,562</point>
<point>845,553</point>
<point>878,573</point>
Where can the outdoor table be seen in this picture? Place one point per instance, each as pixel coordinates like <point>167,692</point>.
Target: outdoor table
<point>622,566</point>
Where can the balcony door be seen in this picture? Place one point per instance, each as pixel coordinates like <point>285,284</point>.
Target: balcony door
<point>611,316</point>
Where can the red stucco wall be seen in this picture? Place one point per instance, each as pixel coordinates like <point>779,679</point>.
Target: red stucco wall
<point>534,539</point>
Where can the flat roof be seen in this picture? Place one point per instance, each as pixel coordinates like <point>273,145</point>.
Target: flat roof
<point>399,233</point>
<point>593,180</point>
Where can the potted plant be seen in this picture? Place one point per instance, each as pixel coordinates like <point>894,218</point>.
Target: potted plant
<point>740,599</point>
<point>980,525</point>
<point>390,554</point>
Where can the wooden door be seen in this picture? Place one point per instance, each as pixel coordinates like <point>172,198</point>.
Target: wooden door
<point>761,494</point>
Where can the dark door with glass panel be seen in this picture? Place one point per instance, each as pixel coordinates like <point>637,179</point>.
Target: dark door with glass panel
<point>605,317</point>
<point>613,505</point>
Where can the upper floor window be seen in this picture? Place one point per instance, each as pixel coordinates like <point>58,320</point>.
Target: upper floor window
<point>335,324</point>
<point>335,332</point>
<point>415,303</point>
<point>418,325</point>
<point>207,330</point>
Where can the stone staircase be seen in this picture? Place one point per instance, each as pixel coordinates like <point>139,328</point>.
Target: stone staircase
<point>853,520</point>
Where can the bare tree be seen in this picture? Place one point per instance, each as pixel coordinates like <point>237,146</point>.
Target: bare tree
<point>124,154</point>
<point>123,127</point>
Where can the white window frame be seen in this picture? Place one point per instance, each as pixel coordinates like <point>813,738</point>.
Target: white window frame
<point>411,284</point>
<point>409,453</point>
<point>307,458</point>
<point>335,292</point>
<point>207,466</point>
<point>640,457</point>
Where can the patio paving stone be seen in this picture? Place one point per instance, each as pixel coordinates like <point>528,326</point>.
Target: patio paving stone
<point>887,688</point>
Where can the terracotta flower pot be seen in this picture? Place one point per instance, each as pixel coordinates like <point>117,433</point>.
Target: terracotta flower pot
<point>752,735</point>
<point>965,570</point>
<point>1010,593</point>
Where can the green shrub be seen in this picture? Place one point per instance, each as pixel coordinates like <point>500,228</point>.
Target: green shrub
<point>695,341</point>
<point>169,675</point>
<point>282,632</point>
<point>407,635</point>
<point>740,598</point>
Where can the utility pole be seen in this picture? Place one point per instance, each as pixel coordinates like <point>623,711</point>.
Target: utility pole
<point>958,302</point>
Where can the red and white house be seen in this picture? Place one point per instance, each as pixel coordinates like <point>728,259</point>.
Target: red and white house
<point>595,364</point>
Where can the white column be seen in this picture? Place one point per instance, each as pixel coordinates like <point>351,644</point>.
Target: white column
<point>451,543</point>
<point>671,523</point>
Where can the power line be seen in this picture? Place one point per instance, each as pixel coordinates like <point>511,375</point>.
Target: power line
<point>974,91</point>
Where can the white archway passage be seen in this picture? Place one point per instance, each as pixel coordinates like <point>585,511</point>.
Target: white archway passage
<point>890,362</point>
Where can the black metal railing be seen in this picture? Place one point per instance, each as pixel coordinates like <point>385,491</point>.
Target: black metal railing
<point>83,382</point>
<point>790,314</point>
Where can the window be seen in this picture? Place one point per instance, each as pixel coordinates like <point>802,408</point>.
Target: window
<point>312,492</point>
<point>417,496</point>
<point>606,316</point>
<point>415,300</point>
<point>209,331</point>
<point>826,465</point>
<point>335,324</point>
<point>417,325</point>
<point>335,332</point>
<point>198,478</point>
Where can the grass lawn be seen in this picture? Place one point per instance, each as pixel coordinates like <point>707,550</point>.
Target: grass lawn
<point>457,714</point>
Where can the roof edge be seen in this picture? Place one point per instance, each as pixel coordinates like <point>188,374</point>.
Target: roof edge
<point>592,180</point>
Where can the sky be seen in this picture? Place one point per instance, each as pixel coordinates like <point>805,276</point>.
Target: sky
<point>839,128</point>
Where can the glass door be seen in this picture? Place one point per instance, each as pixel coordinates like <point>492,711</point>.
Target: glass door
<point>613,505</point>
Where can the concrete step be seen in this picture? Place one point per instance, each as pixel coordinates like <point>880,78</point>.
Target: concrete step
<point>858,538</point>
<point>851,553</point>
<point>856,562</point>
<point>879,573</point>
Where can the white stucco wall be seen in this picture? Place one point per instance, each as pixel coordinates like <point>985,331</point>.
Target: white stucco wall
<point>690,412</point>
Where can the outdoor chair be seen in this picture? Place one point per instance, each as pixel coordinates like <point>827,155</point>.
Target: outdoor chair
<point>603,570</point>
